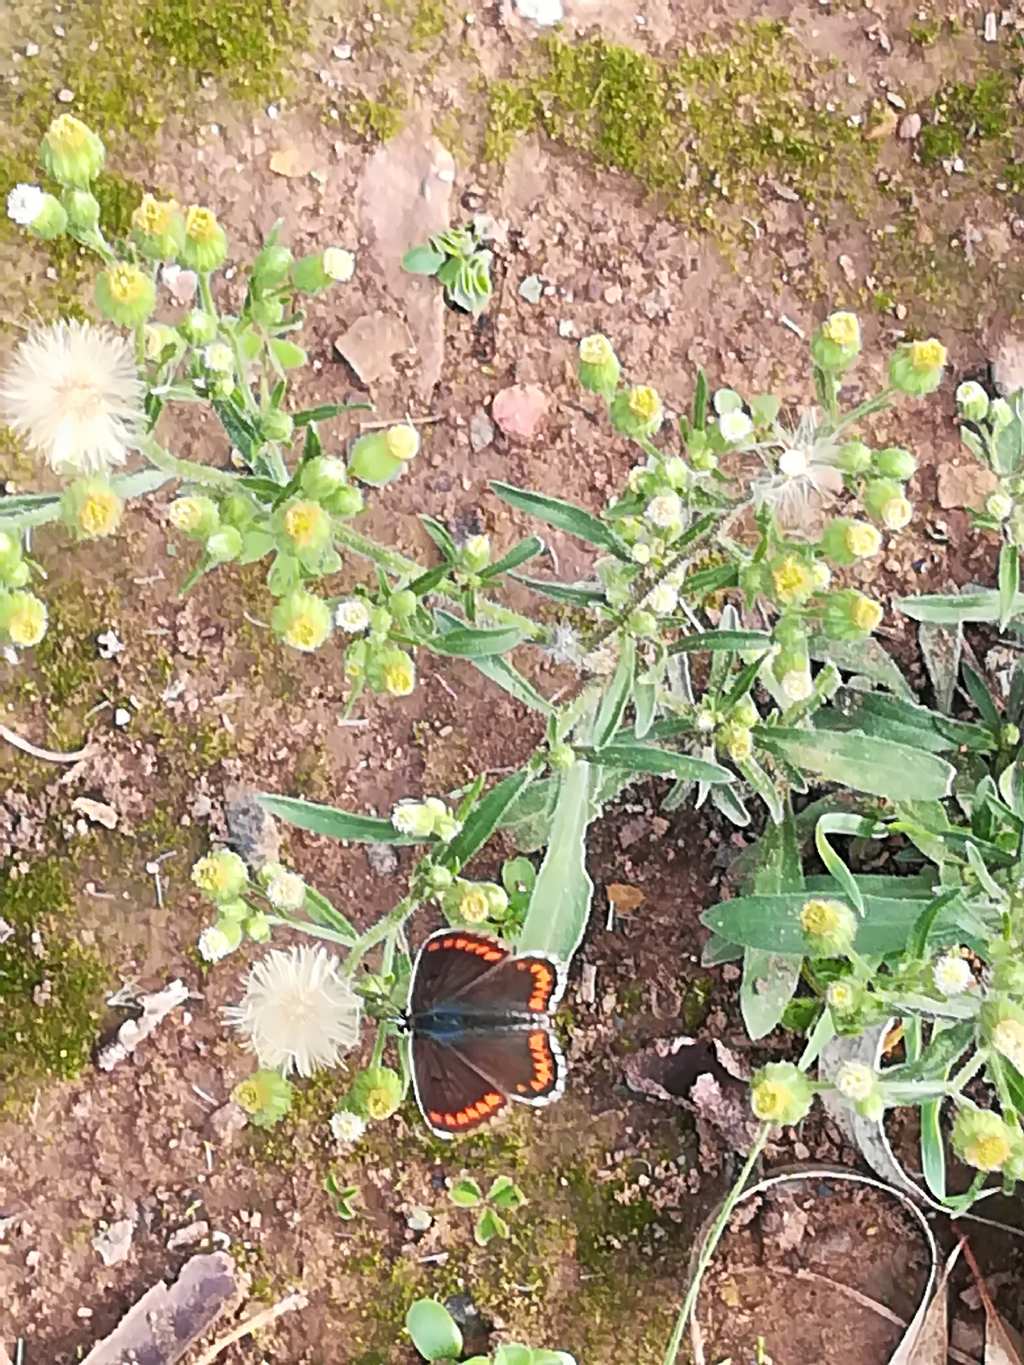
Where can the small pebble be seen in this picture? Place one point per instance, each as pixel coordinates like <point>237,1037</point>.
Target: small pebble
<point>65,96</point>
<point>122,717</point>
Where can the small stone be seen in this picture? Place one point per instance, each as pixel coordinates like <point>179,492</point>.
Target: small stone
<point>531,289</point>
<point>382,858</point>
<point>189,1235</point>
<point>566,327</point>
<point>909,127</point>
<point>294,163</point>
<point>343,52</point>
<point>964,485</point>
<point>225,1123</point>
<point>847,267</point>
<point>66,96</point>
<point>113,1243</point>
<point>371,342</point>
<point>419,1219</point>
<point>1008,364</point>
<point>481,430</point>
<point>6,930</point>
<point>108,646</point>
<point>520,410</point>
<point>97,812</point>
<point>897,101</point>
<point>31,49</point>
<point>541,12</point>
<point>122,717</point>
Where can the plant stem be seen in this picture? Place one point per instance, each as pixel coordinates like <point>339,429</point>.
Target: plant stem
<point>969,1070</point>
<point>393,562</point>
<point>711,1244</point>
<point>385,926</point>
<point>206,294</point>
<point>185,469</point>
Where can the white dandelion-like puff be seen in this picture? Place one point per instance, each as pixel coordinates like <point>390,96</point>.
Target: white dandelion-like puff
<point>73,392</point>
<point>297,1013</point>
<point>806,477</point>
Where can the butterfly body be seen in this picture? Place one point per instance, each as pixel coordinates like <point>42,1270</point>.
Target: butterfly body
<point>480,1023</point>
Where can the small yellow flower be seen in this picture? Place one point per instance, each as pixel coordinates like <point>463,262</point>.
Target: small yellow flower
<point>22,619</point>
<point>154,217</point>
<point>206,243</point>
<point>984,1140</point>
<point>865,613</point>
<point>222,876</point>
<point>830,926</point>
<point>927,355</point>
<point>792,580</point>
<point>99,513</point>
<point>305,632</point>
<point>398,674</point>
<point>474,905</point>
<point>644,403</point>
<point>596,349</point>
<point>125,294</point>
<point>307,524</point>
<point>896,513</point>
<point>201,225</point>
<point>862,539</point>
<point>1008,1038</point>
<point>302,620</point>
<point>842,329</point>
<point>71,152</point>
<point>781,1093</point>
<point>402,441</point>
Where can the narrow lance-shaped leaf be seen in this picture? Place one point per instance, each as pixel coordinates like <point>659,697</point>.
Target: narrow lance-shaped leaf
<point>648,758</point>
<point>336,824</point>
<point>484,818</point>
<point>1009,582</point>
<point>844,824</point>
<point>716,640</point>
<point>949,610</point>
<point>467,642</point>
<point>769,978</point>
<point>565,515</point>
<point>579,594</point>
<point>560,903</point>
<point>616,695</point>
<point>866,764</point>
<point>519,554</point>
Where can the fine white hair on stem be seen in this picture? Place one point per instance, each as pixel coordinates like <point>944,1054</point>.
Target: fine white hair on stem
<point>297,1013</point>
<point>73,391</point>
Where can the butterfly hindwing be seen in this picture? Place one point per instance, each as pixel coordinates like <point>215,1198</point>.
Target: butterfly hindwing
<point>526,1064</point>
<point>453,1097</point>
<point>481,973</point>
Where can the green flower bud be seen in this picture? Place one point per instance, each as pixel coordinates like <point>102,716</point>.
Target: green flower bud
<point>438,878</point>
<point>497,899</point>
<point>206,243</point>
<point>82,209</point>
<point>853,458</point>
<point>1002,1027</point>
<point>17,575</point>
<point>347,502</point>
<point>844,997</point>
<point>257,927</point>
<point>376,1093</point>
<point>466,902</point>
<point>10,555</point>
<point>301,620</point>
<point>916,367</point>
<point>836,343</point>
<point>830,927</point>
<point>199,327</point>
<point>790,579</point>
<point>895,463</point>
<point>781,1093</point>
<point>90,509</point>
<point>125,294</point>
<point>886,504</point>
<point>972,400</point>
<point>599,367</point>
<point>736,740</point>
<point>394,672</point>
<point>238,509</point>
<point>219,940</point>
<point>221,876</point>
<point>850,615</point>
<point>380,620</point>
<point>642,623</point>
<point>1009,736</point>
<point>414,818</point>
<point>197,516</point>
<point>637,413</point>
<point>985,1140</point>
<point>267,312</point>
<point>71,152</point>
<point>158,229</point>
<point>745,712</point>
<point>43,215</point>
<point>445,824</point>
<point>475,554</point>
<point>561,756</point>
<point>22,615</point>
<point>846,540</point>
<point>271,266</point>
<point>704,461</point>
<point>380,456</point>
<point>305,526</point>
<point>276,425</point>
<point>238,910</point>
<point>224,545</point>
<point>403,604</point>
<point>322,477</point>
<point>265,1096</point>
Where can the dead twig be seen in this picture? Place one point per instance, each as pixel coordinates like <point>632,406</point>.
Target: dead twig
<point>256,1323</point>
<point>48,755</point>
<point>410,421</point>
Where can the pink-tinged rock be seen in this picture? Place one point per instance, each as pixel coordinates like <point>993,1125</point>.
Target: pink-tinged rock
<point>521,410</point>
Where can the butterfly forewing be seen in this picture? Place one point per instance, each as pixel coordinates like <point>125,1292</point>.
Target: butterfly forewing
<point>453,1097</point>
<point>482,976</point>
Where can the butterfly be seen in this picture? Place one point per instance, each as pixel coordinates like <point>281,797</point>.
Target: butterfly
<point>479,1017</point>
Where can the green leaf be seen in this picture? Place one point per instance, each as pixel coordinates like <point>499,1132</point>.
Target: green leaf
<point>706,581</point>
<point>1008,447</point>
<point>500,671</point>
<point>519,554</point>
<point>762,785</point>
<point>981,696</point>
<point>466,1193</point>
<point>485,817</point>
<point>488,1226</point>
<point>529,819</point>
<point>434,1332</point>
<point>470,642</point>
<point>579,594</point>
<point>423,260</point>
<point>860,761</point>
<point>700,401</point>
<point>1009,582</point>
<point>336,824</point>
<point>866,657</point>
<point>440,535</point>
<point>325,411</point>
<point>772,923</point>
<point>768,985</point>
<point>505,1194</point>
<point>941,648</point>
<point>322,912</point>
<point>892,718</point>
<point>645,706</point>
<point>616,695</point>
<point>565,515</point>
<point>287,354</point>
<point>560,904</point>
<point>648,758</point>
<point>840,823</point>
<point>949,610</point>
<point>241,432</point>
<point>715,640</point>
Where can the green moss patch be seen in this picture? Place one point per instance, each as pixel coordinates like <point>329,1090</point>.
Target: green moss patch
<point>51,985</point>
<point>965,112</point>
<point>704,132</point>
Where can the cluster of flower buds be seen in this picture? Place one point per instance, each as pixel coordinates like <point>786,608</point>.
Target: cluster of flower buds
<point>22,614</point>
<point>223,878</point>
